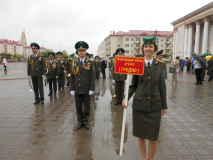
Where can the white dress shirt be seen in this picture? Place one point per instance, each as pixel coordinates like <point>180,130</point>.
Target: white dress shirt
<point>82,60</point>
<point>35,55</point>
<point>150,61</point>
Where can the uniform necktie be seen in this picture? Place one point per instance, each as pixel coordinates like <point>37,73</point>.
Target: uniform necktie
<point>81,61</point>
<point>149,65</point>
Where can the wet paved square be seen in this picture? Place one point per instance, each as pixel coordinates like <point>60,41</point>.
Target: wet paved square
<point>48,131</point>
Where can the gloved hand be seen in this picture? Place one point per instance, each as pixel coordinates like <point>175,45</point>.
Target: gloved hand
<point>72,93</point>
<point>28,76</point>
<point>65,71</point>
<point>91,92</point>
<point>113,81</point>
<point>44,76</point>
<point>56,77</point>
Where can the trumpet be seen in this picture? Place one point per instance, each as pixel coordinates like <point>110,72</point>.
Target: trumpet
<point>67,73</point>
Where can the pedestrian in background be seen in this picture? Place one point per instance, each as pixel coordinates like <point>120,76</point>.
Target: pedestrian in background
<point>182,64</point>
<point>198,72</point>
<point>5,64</point>
<point>188,61</point>
<point>175,64</point>
<point>210,67</point>
<point>103,67</point>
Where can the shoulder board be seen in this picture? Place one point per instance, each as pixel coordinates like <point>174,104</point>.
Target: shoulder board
<point>159,61</point>
<point>55,61</point>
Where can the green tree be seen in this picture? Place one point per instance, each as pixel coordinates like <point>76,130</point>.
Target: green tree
<point>6,55</point>
<point>64,54</point>
<point>45,54</point>
<point>19,57</point>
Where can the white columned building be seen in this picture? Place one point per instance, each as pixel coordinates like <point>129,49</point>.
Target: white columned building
<point>194,32</point>
<point>197,37</point>
<point>185,40</point>
<point>205,35</point>
<point>189,45</point>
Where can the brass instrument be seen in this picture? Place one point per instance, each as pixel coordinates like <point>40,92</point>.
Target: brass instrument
<point>67,73</point>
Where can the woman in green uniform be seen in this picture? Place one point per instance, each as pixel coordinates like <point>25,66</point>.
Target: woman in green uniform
<point>149,101</point>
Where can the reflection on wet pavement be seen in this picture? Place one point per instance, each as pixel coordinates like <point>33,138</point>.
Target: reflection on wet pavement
<point>48,131</point>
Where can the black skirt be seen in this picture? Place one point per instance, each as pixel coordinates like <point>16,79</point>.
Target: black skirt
<point>146,125</point>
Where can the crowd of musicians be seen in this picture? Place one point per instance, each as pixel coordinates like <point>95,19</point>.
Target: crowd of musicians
<point>80,70</point>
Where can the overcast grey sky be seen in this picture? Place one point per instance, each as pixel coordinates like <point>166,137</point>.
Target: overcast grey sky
<point>50,22</point>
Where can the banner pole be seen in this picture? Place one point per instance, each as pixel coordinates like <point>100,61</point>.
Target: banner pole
<point>124,115</point>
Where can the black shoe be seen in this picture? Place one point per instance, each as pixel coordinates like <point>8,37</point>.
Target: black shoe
<point>79,126</point>
<point>36,102</point>
<point>86,126</point>
<point>120,102</point>
<point>50,94</point>
<point>59,88</point>
<point>117,103</point>
<point>62,88</point>
<point>209,81</point>
<point>42,102</point>
<point>203,80</point>
<point>196,83</point>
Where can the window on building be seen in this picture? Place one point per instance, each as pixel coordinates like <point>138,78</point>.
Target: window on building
<point>167,40</point>
<point>136,51</point>
<point>126,39</point>
<point>119,39</point>
<point>137,39</point>
<point>132,39</point>
<point>161,45</point>
<point>161,40</point>
<point>167,46</point>
<point>167,51</point>
<point>132,45</point>
<point>137,45</point>
<point>126,45</point>
<point>157,40</point>
<point>132,51</point>
<point>126,51</point>
<point>119,46</point>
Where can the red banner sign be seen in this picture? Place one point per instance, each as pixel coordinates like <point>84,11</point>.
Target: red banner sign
<point>129,65</point>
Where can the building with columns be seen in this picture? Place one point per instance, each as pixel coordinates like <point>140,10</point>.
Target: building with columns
<point>194,32</point>
<point>131,42</point>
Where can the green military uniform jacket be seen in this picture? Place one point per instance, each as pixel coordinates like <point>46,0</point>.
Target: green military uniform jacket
<point>210,64</point>
<point>83,79</point>
<point>53,69</point>
<point>149,89</point>
<point>36,66</point>
<point>110,64</point>
<point>162,66</point>
<point>62,65</point>
<point>69,65</point>
<point>97,65</point>
<point>116,76</point>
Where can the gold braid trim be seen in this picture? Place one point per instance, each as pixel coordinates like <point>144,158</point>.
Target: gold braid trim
<point>31,62</point>
<point>47,66</point>
<point>75,72</point>
<point>70,63</point>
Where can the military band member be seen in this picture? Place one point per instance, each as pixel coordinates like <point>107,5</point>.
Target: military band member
<point>69,66</point>
<point>87,55</point>
<point>110,66</point>
<point>62,70</point>
<point>119,80</point>
<point>162,64</point>
<point>37,69</point>
<point>82,84</point>
<point>97,67</point>
<point>52,73</point>
<point>91,57</point>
